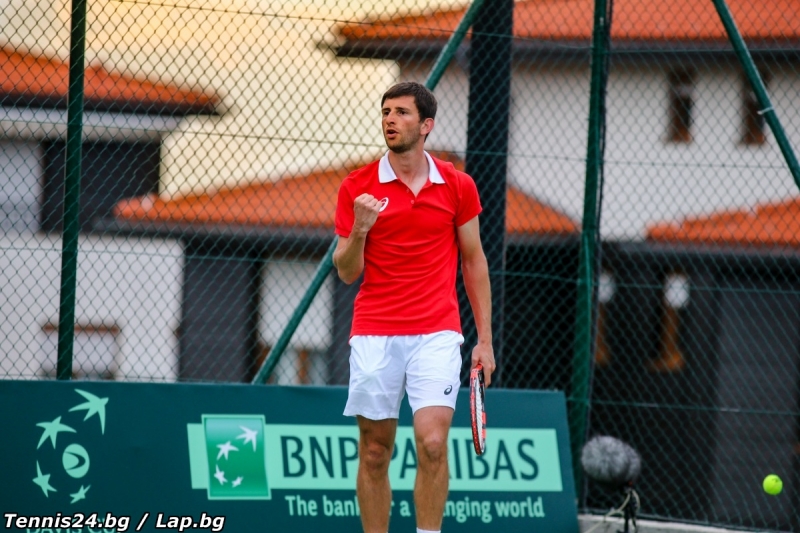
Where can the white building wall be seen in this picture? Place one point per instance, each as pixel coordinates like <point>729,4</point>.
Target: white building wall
<point>647,179</point>
<point>133,285</point>
<point>284,285</point>
<point>547,135</point>
<point>20,185</point>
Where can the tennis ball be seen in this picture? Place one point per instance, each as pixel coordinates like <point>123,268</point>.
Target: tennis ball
<point>773,484</point>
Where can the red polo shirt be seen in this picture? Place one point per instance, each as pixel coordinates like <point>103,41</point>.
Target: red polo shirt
<point>411,253</point>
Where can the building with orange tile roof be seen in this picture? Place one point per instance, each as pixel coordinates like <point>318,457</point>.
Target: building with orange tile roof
<point>255,248</point>
<point>682,124</point>
<point>128,290</point>
<point>125,119</point>
<point>705,311</point>
<point>35,81</point>
<point>775,225</point>
<point>675,26</point>
<point>307,203</point>
<point>699,296</point>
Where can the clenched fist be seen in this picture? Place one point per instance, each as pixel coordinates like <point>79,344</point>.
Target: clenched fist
<point>366,209</point>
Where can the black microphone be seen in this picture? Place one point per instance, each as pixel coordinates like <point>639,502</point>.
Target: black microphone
<point>611,462</point>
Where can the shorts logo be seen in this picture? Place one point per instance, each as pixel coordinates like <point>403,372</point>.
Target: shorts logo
<point>384,203</point>
<point>448,390</point>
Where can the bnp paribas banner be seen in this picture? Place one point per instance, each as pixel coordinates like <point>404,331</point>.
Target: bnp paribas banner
<point>108,457</point>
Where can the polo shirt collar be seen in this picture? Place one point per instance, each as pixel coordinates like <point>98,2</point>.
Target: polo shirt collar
<point>386,172</point>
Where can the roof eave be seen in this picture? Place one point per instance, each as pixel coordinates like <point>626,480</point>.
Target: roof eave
<point>538,50</point>
<point>288,239</point>
<point>134,107</point>
<point>391,49</point>
<point>272,236</point>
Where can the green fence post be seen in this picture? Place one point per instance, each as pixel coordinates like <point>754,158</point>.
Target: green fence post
<point>758,87</point>
<point>452,45</point>
<point>72,191</point>
<point>488,125</point>
<point>326,264</point>
<point>584,337</point>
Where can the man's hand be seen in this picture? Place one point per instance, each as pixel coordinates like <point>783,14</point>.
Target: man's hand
<point>483,353</point>
<point>348,258</point>
<point>365,209</point>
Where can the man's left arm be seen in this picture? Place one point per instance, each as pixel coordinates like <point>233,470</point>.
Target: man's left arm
<point>475,271</point>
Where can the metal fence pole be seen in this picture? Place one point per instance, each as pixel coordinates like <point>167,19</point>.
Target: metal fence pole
<point>72,191</point>
<point>487,149</point>
<point>584,330</point>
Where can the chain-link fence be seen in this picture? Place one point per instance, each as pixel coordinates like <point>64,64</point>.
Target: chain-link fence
<point>215,136</point>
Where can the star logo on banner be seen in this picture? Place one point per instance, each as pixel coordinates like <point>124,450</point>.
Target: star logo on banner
<point>220,475</point>
<point>51,431</point>
<point>224,449</point>
<point>81,494</point>
<point>230,451</point>
<point>66,461</point>
<point>43,480</point>
<point>95,406</point>
<point>249,435</point>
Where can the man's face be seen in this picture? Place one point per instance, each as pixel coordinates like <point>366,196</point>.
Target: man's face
<point>402,127</point>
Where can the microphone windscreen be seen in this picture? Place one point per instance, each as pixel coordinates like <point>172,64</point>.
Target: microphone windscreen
<point>610,461</point>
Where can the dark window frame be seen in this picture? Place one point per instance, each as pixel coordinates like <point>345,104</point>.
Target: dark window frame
<point>754,125</point>
<point>111,171</point>
<point>681,104</point>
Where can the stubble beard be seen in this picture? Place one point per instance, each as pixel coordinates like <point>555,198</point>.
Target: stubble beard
<point>400,146</point>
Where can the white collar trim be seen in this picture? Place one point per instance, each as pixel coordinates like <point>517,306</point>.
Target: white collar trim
<point>386,172</point>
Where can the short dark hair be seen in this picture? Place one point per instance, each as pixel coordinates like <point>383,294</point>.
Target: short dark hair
<point>423,97</point>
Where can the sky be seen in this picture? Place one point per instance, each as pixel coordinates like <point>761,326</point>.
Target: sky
<point>291,105</point>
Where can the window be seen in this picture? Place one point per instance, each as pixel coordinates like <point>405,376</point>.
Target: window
<point>95,351</point>
<point>305,360</point>
<point>20,188</point>
<point>110,172</point>
<point>754,125</point>
<point>301,366</point>
<point>675,298</point>
<point>681,102</point>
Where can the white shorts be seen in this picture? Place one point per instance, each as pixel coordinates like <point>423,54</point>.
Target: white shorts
<point>382,368</point>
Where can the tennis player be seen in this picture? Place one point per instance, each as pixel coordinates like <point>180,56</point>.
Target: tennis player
<point>402,221</point>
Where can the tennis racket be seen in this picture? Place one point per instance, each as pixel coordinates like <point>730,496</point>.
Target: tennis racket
<point>476,400</point>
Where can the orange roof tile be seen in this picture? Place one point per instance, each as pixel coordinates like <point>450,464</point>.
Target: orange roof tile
<point>27,78</point>
<point>775,224</point>
<point>635,20</point>
<point>310,201</point>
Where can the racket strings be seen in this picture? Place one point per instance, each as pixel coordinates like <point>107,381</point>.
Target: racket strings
<point>477,410</point>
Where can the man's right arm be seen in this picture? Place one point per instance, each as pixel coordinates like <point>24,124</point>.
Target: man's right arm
<point>348,258</point>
